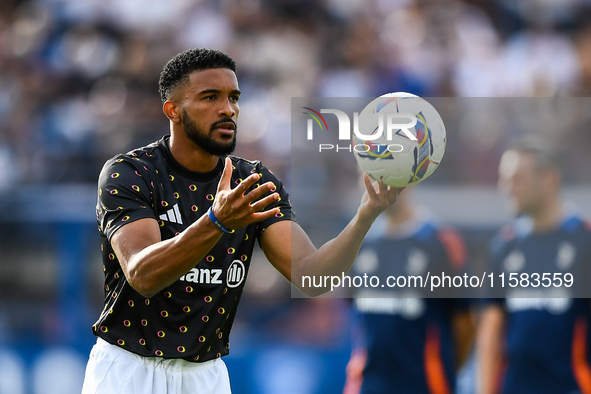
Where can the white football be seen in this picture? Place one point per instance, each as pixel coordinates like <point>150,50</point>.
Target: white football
<point>399,139</point>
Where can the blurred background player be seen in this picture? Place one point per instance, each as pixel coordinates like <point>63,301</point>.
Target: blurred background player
<point>536,345</point>
<point>409,345</point>
<point>78,83</point>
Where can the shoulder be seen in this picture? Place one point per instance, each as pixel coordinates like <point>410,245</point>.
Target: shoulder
<point>243,168</point>
<point>251,166</point>
<point>578,230</point>
<point>431,229</point>
<point>142,160</point>
<point>448,235</point>
<point>243,165</point>
<point>502,238</point>
<point>444,238</point>
<point>244,162</point>
<point>506,234</point>
<point>147,157</point>
<point>454,245</point>
<point>576,224</point>
<point>509,235</point>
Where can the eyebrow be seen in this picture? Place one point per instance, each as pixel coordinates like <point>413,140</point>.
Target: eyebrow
<point>207,91</point>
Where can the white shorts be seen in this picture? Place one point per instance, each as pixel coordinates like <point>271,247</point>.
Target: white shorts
<point>112,370</point>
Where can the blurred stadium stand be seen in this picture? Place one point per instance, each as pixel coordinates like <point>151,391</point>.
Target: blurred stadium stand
<point>78,83</point>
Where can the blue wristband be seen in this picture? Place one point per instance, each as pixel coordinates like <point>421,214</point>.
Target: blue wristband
<point>217,223</point>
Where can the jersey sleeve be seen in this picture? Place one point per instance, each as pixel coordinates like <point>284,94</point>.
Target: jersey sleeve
<point>283,203</point>
<point>123,196</point>
<point>455,249</point>
<point>456,258</point>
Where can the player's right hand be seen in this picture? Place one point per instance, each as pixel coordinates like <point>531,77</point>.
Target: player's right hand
<point>235,209</point>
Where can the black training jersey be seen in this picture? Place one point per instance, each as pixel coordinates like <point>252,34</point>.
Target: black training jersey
<point>191,319</point>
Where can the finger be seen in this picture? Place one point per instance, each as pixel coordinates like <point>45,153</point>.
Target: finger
<point>371,191</point>
<point>260,216</point>
<point>393,193</point>
<point>262,204</point>
<point>258,192</point>
<point>247,183</point>
<point>383,188</point>
<point>224,183</point>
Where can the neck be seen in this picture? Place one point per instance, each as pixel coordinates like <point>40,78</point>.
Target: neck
<point>548,217</point>
<point>189,155</point>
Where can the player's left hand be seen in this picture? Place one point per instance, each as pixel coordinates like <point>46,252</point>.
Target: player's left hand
<point>376,198</point>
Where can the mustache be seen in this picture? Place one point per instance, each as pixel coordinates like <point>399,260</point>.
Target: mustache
<point>219,122</point>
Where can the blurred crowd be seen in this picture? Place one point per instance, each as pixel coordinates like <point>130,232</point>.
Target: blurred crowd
<point>79,83</point>
<point>78,79</point>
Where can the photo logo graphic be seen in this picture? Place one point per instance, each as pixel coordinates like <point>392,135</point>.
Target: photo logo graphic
<point>393,123</point>
<point>388,125</point>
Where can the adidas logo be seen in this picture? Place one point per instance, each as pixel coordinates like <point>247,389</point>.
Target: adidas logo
<point>172,215</point>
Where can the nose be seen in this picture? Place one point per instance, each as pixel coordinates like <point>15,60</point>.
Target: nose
<point>228,109</point>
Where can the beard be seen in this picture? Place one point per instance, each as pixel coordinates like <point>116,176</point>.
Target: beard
<point>205,141</point>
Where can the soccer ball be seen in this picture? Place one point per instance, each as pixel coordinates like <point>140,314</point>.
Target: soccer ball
<point>399,139</point>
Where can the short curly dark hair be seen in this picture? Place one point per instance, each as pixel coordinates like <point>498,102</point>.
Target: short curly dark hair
<point>177,70</point>
<point>545,154</point>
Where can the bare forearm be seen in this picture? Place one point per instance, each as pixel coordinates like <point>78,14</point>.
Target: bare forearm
<point>290,250</point>
<point>334,258</point>
<point>338,255</point>
<point>490,353</point>
<point>489,367</point>
<point>161,264</point>
<point>464,336</point>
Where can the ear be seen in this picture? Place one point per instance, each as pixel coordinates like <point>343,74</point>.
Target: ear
<point>172,111</point>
